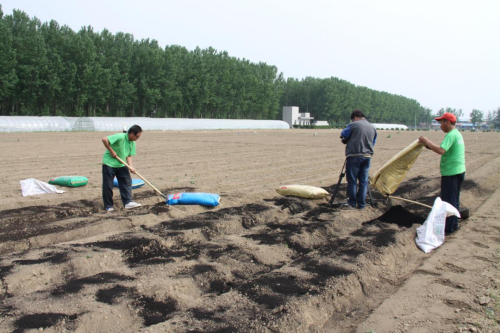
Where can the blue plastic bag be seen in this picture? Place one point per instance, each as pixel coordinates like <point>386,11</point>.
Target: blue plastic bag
<point>203,199</point>
<point>135,182</point>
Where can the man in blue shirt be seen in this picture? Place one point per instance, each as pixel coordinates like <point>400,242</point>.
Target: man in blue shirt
<point>360,137</point>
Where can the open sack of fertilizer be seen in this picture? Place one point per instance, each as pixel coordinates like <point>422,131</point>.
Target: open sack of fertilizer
<point>387,179</point>
<point>69,181</point>
<point>303,191</point>
<point>203,199</point>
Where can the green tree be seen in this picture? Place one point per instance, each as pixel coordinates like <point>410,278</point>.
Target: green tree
<point>476,116</point>
<point>119,51</point>
<point>496,118</point>
<point>8,77</point>
<point>46,69</point>
<point>490,116</point>
<point>51,91</point>
<point>31,62</point>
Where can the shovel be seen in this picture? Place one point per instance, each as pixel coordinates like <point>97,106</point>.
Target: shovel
<point>154,188</point>
<point>336,189</point>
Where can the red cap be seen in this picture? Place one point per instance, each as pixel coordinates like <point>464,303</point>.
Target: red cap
<point>448,116</point>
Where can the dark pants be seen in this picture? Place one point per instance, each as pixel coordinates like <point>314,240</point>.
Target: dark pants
<point>357,168</point>
<point>450,192</point>
<point>124,183</point>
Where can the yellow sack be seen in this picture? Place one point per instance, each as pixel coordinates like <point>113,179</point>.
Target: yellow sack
<point>303,191</point>
<point>387,179</point>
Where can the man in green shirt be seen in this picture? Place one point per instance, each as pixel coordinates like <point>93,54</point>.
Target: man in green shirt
<point>123,146</point>
<point>452,151</point>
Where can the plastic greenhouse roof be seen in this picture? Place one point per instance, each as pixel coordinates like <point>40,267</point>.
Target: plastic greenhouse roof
<point>54,124</point>
<point>389,126</point>
<point>158,124</point>
<point>33,124</point>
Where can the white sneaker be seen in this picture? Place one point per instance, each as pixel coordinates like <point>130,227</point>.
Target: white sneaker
<point>110,209</point>
<point>132,204</point>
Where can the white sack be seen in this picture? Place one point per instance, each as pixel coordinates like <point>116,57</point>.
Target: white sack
<point>430,235</point>
<point>32,186</point>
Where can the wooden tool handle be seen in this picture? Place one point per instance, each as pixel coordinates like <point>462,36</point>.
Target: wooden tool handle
<point>414,202</point>
<point>145,180</point>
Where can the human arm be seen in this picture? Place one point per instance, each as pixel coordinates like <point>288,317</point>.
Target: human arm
<point>346,132</point>
<point>430,145</point>
<point>106,143</point>
<point>129,162</point>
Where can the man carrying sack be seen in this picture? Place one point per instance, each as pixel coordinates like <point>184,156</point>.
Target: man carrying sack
<point>452,151</point>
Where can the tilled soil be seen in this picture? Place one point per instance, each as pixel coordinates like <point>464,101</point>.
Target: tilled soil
<point>259,262</point>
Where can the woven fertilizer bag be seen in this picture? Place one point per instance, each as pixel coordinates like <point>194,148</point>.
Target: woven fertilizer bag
<point>135,183</point>
<point>69,181</point>
<point>387,179</point>
<point>303,191</point>
<point>197,198</point>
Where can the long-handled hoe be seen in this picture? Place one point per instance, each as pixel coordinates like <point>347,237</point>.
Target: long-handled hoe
<point>154,188</point>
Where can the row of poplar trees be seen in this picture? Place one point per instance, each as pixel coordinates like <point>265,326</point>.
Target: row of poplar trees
<point>50,70</point>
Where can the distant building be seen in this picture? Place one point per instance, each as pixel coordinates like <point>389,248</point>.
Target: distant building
<point>292,116</point>
<point>465,126</point>
<point>321,123</point>
<point>462,124</point>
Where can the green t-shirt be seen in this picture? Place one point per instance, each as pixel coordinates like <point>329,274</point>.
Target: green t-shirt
<point>122,147</point>
<point>453,161</point>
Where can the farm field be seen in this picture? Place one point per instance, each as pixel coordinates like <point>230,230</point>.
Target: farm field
<point>259,262</point>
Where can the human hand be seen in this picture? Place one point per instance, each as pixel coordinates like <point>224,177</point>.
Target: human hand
<point>423,140</point>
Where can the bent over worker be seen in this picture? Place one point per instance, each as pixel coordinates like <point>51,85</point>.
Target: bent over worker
<point>123,146</point>
<point>452,151</point>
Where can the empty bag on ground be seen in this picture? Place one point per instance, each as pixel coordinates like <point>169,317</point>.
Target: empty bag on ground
<point>32,186</point>
<point>387,179</point>
<point>430,235</point>
<point>203,199</point>
<point>303,191</point>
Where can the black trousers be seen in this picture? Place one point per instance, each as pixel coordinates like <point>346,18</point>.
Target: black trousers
<point>450,192</point>
<point>124,183</point>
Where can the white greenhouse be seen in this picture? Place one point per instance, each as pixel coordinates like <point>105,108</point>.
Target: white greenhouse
<point>165,124</point>
<point>390,126</point>
<point>72,120</point>
<point>116,124</point>
<point>34,124</point>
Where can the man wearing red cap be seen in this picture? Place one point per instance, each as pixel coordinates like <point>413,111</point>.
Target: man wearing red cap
<point>452,151</point>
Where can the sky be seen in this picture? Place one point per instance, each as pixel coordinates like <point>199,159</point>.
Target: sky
<point>441,53</point>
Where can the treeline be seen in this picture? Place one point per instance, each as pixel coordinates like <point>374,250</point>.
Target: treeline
<point>492,118</point>
<point>51,70</point>
<point>47,69</point>
<point>333,99</point>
